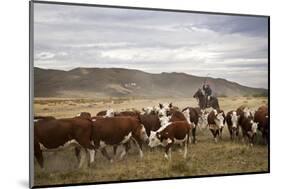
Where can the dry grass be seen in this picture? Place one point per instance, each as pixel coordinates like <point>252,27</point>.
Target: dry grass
<point>204,158</point>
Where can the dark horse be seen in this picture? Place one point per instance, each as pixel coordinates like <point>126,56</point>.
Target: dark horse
<point>213,102</point>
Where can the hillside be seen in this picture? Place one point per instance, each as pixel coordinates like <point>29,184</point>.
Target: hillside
<point>119,82</point>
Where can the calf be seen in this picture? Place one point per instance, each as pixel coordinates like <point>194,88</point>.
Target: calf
<point>216,121</point>
<point>117,131</point>
<point>232,124</point>
<point>175,132</point>
<point>56,134</point>
<point>261,117</point>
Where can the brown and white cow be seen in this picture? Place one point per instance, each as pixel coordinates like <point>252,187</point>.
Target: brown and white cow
<point>115,131</point>
<point>249,128</point>
<point>261,117</point>
<point>232,124</point>
<point>192,116</point>
<point>56,134</point>
<point>216,121</point>
<point>177,132</point>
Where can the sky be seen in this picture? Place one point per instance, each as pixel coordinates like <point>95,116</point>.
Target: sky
<point>220,46</point>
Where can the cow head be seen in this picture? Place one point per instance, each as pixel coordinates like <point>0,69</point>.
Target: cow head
<point>219,119</point>
<point>154,139</point>
<point>247,113</point>
<point>162,112</point>
<point>164,120</point>
<point>254,127</point>
<point>234,119</point>
<point>142,133</point>
<point>252,133</point>
<point>203,119</point>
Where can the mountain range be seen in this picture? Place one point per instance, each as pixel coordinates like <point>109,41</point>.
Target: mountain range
<point>120,82</point>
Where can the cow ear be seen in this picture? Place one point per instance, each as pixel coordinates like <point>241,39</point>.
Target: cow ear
<point>170,105</point>
<point>160,105</point>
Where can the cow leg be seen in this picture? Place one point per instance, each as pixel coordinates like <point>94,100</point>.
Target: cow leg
<point>77,152</point>
<point>231,134</point>
<point>214,135</point>
<point>105,154</point>
<point>220,132</point>
<point>83,156</point>
<point>185,147</point>
<point>243,136</point>
<point>194,134</point>
<point>39,158</point>
<point>168,152</point>
<point>126,147</point>
<point>92,154</point>
<point>115,149</point>
<point>139,145</point>
<point>38,153</point>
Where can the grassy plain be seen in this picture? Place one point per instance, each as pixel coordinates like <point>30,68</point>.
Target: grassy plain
<point>204,157</point>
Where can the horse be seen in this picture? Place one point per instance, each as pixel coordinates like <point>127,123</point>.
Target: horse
<point>202,101</point>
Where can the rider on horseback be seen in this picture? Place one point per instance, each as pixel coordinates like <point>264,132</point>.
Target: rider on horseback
<point>208,92</point>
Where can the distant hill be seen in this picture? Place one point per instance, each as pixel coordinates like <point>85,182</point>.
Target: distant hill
<point>119,82</point>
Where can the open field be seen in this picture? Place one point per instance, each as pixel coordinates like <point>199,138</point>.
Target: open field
<point>204,158</point>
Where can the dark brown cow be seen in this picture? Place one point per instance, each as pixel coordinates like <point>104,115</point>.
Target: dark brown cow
<point>249,129</point>
<point>173,133</point>
<point>60,133</point>
<point>232,124</point>
<point>117,131</point>
<point>151,122</point>
<point>216,121</point>
<point>261,117</point>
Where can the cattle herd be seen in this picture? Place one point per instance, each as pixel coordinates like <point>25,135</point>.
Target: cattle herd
<point>163,125</point>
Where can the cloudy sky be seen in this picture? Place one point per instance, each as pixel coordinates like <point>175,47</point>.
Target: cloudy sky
<point>230,47</point>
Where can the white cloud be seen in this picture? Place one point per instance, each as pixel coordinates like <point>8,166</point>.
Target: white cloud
<point>225,46</point>
<point>44,55</point>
